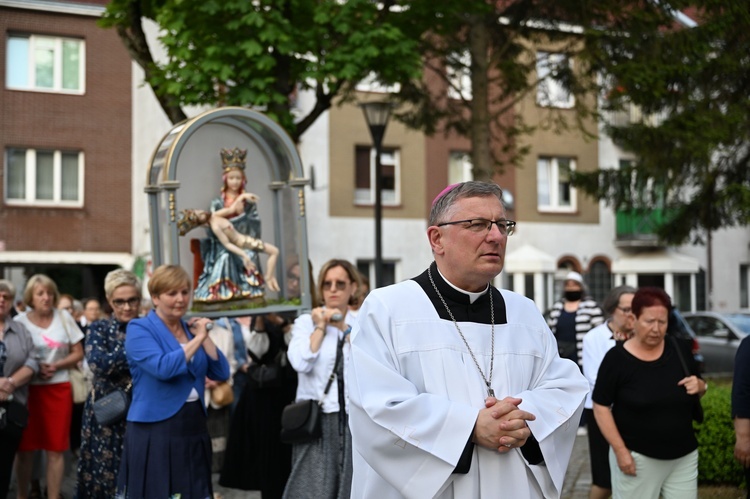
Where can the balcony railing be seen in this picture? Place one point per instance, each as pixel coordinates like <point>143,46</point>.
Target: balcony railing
<point>638,227</point>
<point>632,114</point>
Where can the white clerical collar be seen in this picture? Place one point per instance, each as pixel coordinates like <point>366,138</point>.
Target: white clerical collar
<point>472,296</point>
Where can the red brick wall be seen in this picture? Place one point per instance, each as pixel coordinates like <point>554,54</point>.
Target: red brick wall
<point>97,123</point>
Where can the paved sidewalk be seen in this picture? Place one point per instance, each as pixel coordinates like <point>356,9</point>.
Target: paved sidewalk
<point>69,485</point>
<point>576,485</point>
<point>578,478</point>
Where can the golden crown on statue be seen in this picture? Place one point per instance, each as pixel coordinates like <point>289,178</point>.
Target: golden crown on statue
<point>233,158</point>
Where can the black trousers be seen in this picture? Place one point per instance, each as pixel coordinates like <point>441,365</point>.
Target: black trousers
<point>10,437</point>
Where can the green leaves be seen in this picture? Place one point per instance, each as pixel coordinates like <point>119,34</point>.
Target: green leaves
<point>243,53</point>
<point>691,86</point>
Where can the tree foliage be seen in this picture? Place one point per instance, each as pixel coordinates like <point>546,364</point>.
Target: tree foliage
<point>690,84</point>
<point>260,54</point>
<point>493,45</point>
<point>692,88</point>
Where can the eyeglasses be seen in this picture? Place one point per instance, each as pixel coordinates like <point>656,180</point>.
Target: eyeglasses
<point>340,285</point>
<point>292,277</point>
<point>130,302</point>
<point>625,310</point>
<point>479,225</point>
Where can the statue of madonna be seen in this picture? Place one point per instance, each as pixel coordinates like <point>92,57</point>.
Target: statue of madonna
<point>225,275</point>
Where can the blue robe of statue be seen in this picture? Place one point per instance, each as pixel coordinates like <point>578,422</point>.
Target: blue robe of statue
<point>224,276</point>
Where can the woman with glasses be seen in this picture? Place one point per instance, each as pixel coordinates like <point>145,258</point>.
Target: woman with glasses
<point>319,347</point>
<point>101,446</point>
<point>596,343</point>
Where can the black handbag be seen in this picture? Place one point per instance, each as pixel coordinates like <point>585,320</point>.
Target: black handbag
<point>112,407</point>
<point>697,407</point>
<point>301,421</point>
<point>13,412</point>
<point>264,375</point>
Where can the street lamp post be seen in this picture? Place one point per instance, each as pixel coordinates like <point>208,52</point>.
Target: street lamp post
<point>377,114</point>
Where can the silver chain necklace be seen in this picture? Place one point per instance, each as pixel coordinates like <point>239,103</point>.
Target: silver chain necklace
<point>487,381</point>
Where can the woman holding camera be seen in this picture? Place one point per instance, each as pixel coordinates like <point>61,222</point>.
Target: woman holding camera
<point>320,347</point>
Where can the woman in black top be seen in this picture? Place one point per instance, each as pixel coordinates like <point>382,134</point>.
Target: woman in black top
<point>643,404</point>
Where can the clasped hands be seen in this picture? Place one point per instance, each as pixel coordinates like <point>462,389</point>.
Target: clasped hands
<point>46,371</point>
<point>501,425</point>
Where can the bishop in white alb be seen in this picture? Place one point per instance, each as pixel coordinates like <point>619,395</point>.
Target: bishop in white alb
<point>415,393</point>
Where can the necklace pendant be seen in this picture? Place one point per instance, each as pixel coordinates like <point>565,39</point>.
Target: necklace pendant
<point>490,392</point>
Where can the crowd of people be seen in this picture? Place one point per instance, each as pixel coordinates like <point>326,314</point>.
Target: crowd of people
<point>439,386</point>
<point>171,367</point>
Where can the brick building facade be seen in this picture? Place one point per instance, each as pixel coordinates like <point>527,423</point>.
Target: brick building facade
<point>65,133</point>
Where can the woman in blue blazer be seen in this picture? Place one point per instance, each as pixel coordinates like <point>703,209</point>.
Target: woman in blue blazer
<point>167,450</point>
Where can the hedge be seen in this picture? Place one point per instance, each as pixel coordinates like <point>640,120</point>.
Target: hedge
<point>716,463</point>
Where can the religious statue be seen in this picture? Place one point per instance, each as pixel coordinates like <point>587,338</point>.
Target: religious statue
<point>233,241</point>
<point>227,275</point>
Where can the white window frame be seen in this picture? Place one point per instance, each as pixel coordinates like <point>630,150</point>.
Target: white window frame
<point>553,184</point>
<point>57,76</point>
<point>366,197</point>
<point>460,168</point>
<point>549,92</point>
<point>30,179</point>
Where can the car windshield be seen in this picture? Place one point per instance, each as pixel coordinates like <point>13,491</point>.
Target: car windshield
<point>741,321</point>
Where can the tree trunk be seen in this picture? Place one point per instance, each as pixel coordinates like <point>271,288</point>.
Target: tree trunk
<point>134,39</point>
<point>481,155</point>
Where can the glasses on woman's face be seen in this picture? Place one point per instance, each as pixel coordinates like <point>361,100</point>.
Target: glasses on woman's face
<point>625,310</point>
<point>130,302</point>
<point>340,285</point>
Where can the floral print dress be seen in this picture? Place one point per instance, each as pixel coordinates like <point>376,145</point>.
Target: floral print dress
<point>101,446</point>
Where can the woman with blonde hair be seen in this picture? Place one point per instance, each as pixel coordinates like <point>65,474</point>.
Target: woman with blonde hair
<point>57,342</point>
<point>101,446</point>
<point>167,448</point>
<point>320,349</point>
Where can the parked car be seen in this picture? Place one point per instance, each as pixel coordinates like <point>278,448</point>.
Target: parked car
<point>719,334</point>
<point>679,327</point>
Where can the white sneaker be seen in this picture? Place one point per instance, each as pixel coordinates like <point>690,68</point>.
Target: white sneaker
<point>582,431</point>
